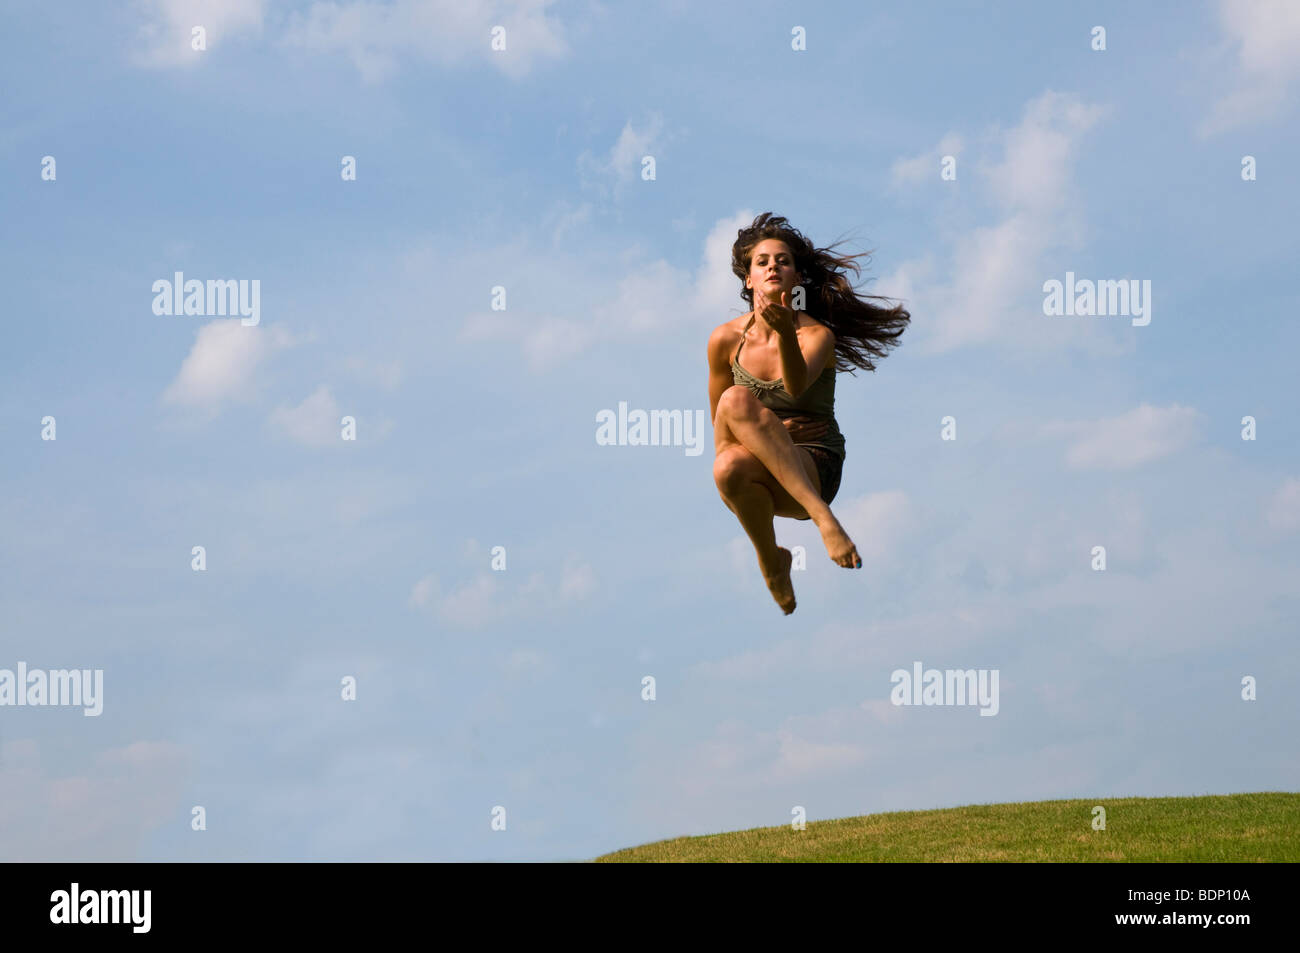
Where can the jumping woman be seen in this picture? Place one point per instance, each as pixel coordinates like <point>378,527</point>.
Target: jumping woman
<point>779,450</point>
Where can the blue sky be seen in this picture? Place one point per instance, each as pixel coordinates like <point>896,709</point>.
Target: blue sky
<point>521,168</point>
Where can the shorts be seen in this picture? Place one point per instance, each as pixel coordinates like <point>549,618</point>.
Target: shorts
<point>829,468</point>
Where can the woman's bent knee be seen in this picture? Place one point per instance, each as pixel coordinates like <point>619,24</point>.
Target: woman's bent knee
<point>733,467</point>
<point>738,400</point>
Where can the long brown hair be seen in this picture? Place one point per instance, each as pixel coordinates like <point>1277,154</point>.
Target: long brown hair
<point>860,327</point>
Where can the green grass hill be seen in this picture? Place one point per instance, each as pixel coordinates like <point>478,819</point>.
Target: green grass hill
<point>1232,827</point>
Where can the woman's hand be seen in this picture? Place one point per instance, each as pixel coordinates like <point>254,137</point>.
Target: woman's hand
<point>805,429</point>
<point>776,314</point>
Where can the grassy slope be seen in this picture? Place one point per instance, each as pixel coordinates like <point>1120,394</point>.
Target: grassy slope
<point>1234,827</point>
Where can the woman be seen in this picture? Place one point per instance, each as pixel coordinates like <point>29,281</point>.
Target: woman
<point>779,449</point>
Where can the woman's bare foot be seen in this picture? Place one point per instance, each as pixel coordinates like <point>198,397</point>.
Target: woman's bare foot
<point>839,546</point>
<point>779,584</point>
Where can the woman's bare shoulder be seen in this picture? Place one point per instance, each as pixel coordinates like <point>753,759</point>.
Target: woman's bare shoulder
<point>814,327</point>
<point>733,324</point>
<point>730,329</point>
<point>723,338</point>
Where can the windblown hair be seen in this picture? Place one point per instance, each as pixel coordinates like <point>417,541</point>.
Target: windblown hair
<point>860,328</point>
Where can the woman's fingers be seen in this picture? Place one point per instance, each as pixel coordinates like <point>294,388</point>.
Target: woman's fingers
<point>802,428</point>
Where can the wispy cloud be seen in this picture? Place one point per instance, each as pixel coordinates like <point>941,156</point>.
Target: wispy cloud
<point>1132,439</point>
<point>877,523</point>
<point>223,363</point>
<point>609,175</point>
<point>103,812</point>
<point>999,266</point>
<point>1263,37</point>
<point>166,30</point>
<point>386,375</point>
<point>376,37</point>
<point>1283,510</point>
<point>492,597</point>
<point>647,295</point>
<point>316,422</point>
<point>925,166</point>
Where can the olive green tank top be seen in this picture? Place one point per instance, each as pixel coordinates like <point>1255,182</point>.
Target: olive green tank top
<point>817,401</point>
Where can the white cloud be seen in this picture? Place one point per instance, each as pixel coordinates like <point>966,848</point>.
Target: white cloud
<point>564,217</point>
<point>882,710</point>
<point>655,294</point>
<point>925,167</point>
<point>313,423</point>
<point>742,558</point>
<point>717,289</point>
<point>1189,602</point>
<point>1283,512</point>
<point>876,523</point>
<point>645,299</point>
<point>736,760</point>
<point>1140,436</point>
<point>424,592</point>
<point>994,264</point>
<point>544,340</point>
<point>312,526</point>
<point>476,604</point>
<point>375,37</point>
<point>1058,542</point>
<point>1264,36</point>
<point>621,167</point>
<point>221,365</point>
<point>999,266</point>
<point>492,597</point>
<point>577,583</point>
<point>651,295</point>
<point>385,375</point>
<point>1034,173</point>
<point>868,643</point>
<point>102,813</point>
<point>525,661</point>
<point>166,30</point>
<point>800,758</point>
<point>903,282</point>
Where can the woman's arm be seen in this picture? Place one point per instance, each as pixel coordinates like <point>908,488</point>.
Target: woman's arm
<point>802,359</point>
<point>720,376</point>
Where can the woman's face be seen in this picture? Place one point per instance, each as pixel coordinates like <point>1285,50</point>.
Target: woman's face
<point>772,259</point>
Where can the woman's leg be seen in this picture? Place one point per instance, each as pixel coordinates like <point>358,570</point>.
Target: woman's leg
<point>741,483</point>
<point>742,420</point>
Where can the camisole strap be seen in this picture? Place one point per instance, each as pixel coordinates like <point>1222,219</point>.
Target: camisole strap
<point>736,359</point>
